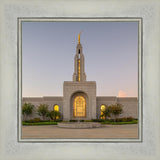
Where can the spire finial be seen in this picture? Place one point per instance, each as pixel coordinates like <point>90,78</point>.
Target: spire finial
<point>79,37</point>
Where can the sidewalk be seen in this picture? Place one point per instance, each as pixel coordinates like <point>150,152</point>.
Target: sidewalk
<point>106,131</point>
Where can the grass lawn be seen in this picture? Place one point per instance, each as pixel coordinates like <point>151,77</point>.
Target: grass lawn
<point>55,123</point>
<point>119,123</point>
<point>40,123</point>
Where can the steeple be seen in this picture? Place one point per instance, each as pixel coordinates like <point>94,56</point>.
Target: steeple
<point>79,74</point>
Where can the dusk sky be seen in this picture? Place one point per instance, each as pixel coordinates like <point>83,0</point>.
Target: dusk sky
<point>110,50</point>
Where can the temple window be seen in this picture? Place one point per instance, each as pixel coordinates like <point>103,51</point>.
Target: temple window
<point>103,107</point>
<point>79,107</point>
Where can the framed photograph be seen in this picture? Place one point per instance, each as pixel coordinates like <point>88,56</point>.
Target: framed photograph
<point>84,115</point>
<point>79,81</point>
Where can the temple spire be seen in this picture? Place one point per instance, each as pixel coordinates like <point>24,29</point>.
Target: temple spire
<point>79,73</point>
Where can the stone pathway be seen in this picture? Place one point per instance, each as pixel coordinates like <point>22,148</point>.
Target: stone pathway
<point>106,131</point>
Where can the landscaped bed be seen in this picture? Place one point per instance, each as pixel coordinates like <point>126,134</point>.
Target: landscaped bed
<point>120,123</point>
<point>40,123</point>
<point>104,122</point>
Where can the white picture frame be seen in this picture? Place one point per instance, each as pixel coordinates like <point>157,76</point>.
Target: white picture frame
<point>93,19</point>
<point>12,148</point>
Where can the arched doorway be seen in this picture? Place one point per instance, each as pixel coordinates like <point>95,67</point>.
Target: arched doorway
<point>79,106</point>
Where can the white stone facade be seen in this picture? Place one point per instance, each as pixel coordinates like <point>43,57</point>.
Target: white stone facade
<point>93,111</point>
<point>72,89</point>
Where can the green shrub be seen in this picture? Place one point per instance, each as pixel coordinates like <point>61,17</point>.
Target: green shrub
<point>73,121</point>
<point>120,123</point>
<point>98,120</point>
<point>111,120</point>
<point>44,120</point>
<point>40,123</point>
<point>120,120</point>
<point>27,110</point>
<point>33,120</point>
<point>42,110</point>
<point>94,120</point>
<point>54,115</point>
<point>116,110</point>
<point>58,120</point>
<point>36,119</point>
<point>124,119</point>
<point>87,120</point>
<point>129,119</point>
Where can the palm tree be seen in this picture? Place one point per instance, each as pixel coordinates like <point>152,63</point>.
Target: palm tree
<point>43,110</point>
<point>54,115</point>
<point>27,110</point>
<point>116,110</point>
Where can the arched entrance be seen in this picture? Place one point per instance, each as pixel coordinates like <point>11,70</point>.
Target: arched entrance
<point>79,103</point>
<point>79,107</point>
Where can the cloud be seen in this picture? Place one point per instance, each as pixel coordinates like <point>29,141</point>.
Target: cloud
<point>122,94</point>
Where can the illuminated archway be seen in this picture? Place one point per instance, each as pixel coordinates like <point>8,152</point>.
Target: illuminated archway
<point>79,106</point>
<point>103,107</point>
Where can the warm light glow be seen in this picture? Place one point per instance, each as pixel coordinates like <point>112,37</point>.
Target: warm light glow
<point>103,107</point>
<point>79,70</point>
<point>79,107</point>
<point>56,108</point>
<point>122,94</point>
<point>79,37</point>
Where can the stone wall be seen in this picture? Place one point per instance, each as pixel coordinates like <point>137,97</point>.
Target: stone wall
<point>130,105</point>
<point>51,101</point>
<point>104,101</point>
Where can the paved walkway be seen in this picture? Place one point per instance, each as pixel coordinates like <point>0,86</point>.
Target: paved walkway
<point>106,131</point>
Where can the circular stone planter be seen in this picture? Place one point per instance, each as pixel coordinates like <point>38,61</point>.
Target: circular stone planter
<point>79,125</point>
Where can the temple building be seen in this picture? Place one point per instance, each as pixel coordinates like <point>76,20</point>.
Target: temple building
<point>79,101</point>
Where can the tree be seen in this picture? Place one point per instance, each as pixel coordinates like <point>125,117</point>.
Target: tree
<point>107,112</point>
<point>27,110</point>
<point>54,115</point>
<point>116,110</point>
<point>43,110</point>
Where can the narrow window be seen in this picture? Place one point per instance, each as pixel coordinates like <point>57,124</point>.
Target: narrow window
<point>56,108</point>
<point>79,70</point>
<point>79,107</point>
